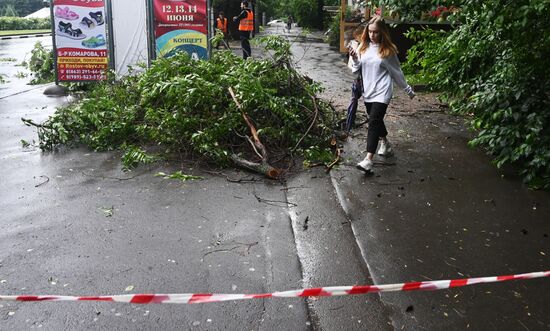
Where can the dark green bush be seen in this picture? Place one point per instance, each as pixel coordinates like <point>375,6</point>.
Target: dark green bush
<point>334,34</point>
<point>494,67</point>
<point>306,13</point>
<point>41,64</point>
<point>20,23</point>
<point>19,7</point>
<point>410,10</point>
<point>422,60</point>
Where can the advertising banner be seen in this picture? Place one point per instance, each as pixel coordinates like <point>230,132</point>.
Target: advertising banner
<point>181,25</point>
<point>80,40</point>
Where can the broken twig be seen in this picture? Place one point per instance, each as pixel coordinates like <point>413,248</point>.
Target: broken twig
<point>44,182</point>
<point>264,167</point>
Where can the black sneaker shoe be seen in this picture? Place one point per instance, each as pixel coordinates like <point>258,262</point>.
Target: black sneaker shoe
<point>97,17</point>
<point>87,23</point>
<point>66,30</point>
<point>64,27</point>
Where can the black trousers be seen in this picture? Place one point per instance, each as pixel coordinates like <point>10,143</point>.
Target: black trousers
<point>377,128</point>
<point>245,44</point>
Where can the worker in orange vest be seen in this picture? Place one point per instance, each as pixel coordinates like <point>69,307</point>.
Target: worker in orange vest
<point>246,26</point>
<point>221,24</point>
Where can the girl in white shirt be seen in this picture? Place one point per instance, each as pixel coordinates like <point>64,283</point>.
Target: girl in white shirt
<point>376,57</point>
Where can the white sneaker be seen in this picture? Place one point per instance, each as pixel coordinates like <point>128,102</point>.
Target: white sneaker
<point>385,149</point>
<point>365,165</point>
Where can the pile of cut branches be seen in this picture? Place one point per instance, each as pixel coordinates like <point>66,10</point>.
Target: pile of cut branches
<point>226,109</point>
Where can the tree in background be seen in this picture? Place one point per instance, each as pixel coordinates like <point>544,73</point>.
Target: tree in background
<point>8,11</point>
<point>268,7</point>
<point>307,13</point>
<point>493,67</point>
<point>21,7</point>
<point>416,9</point>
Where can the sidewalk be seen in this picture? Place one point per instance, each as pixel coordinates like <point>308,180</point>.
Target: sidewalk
<point>436,210</point>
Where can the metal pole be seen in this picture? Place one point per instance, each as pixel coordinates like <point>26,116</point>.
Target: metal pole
<point>151,42</point>
<point>255,12</point>
<point>110,33</point>
<point>54,44</point>
<point>209,21</point>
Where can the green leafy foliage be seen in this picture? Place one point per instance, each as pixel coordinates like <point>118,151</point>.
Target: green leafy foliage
<point>411,10</point>
<point>134,156</point>
<point>421,66</point>
<point>20,23</point>
<point>8,10</point>
<point>307,13</point>
<point>493,67</point>
<point>334,35</point>
<point>41,64</point>
<point>181,105</point>
<point>318,155</point>
<point>179,176</point>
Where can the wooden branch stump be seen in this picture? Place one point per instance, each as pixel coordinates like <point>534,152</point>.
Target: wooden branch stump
<point>262,167</point>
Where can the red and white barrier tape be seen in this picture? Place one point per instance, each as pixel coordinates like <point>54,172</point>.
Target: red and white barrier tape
<point>312,292</point>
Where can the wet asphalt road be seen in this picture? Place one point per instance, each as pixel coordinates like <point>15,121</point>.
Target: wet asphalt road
<point>12,53</point>
<point>74,223</point>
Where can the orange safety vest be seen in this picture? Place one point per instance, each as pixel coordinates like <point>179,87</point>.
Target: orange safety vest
<point>222,24</point>
<point>247,24</point>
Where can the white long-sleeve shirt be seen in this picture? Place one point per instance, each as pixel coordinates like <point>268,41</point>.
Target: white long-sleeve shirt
<point>378,74</point>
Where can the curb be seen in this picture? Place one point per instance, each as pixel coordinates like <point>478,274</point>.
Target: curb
<point>26,36</point>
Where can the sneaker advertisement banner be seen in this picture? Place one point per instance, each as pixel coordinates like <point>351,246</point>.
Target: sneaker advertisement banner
<point>181,26</point>
<point>80,40</point>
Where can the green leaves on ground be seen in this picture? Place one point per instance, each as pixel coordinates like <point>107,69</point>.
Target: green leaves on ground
<point>183,106</point>
<point>134,156</point>
<point>493,66</point>
<point>41,64</point>
<point>178,175</point>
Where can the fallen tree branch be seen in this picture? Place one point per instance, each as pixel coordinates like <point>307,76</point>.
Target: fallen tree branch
<point>312,122</point>
<point>254,147</point>
<point>264,167</point>
<point>29,122</point>
<point>228,250</point>
<point>274,202</point>
<point>44,182</point>
<point>232,180</point>
<point>113,178</point>
<point>333,163</point>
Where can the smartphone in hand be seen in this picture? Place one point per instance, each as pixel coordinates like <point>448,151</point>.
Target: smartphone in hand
<point>352,52</point>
